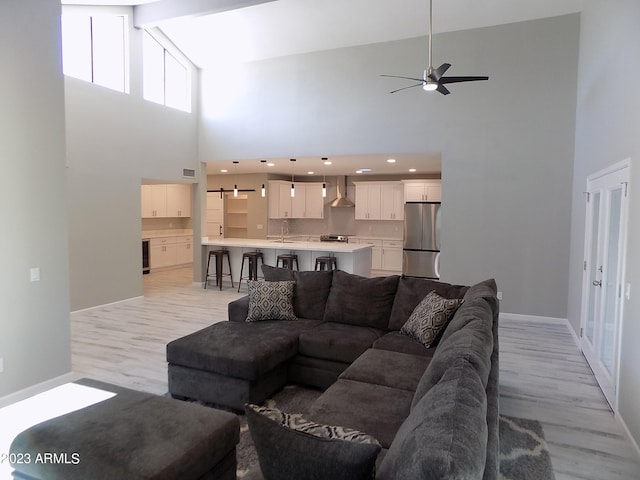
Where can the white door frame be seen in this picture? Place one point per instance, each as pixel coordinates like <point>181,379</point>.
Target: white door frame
<point>608,383</point>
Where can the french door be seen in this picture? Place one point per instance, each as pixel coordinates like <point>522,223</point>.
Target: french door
<point>603,288</point>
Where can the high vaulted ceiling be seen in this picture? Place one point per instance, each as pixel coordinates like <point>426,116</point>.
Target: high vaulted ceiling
<point>266,29</point>
<point>287,27</point>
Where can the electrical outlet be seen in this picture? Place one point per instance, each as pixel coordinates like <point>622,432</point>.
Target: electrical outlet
<point>499,295</point>
<point>1,365</point>
<point>259,226</point>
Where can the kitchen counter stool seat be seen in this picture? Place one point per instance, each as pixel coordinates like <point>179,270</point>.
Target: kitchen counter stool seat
<point>287,260</point>
<point>326,263</point>
<point>253,258</point>
<point>219,267</point>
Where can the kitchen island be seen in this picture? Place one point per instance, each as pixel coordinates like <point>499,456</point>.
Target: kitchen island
<point>351,257</point>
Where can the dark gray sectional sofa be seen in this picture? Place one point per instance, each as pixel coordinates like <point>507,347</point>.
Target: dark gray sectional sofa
<point>433,410</point>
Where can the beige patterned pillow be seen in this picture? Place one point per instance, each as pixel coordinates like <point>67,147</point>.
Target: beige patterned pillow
<point>430,318</point>
<point>270,301</point>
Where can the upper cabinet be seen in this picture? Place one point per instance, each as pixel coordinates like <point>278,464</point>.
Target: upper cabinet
<point>166,201</point>
<point>379,201</point>
<point>307,202</point>
<point>178,200</point>
<point>423,191</point>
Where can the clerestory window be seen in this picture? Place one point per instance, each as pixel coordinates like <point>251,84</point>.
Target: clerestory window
<point>94,49</point>
<point>166,79</point>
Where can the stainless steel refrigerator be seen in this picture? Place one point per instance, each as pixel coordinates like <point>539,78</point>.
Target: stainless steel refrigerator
<point>421,248</point>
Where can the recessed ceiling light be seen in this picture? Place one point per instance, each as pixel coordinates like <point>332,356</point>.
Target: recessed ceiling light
<point>391,160</point>
<point>412,170</point>
<point>358,171</point>
<point>224,170</point>
<point>270,164</point>
<point>310,173</point>
<point>327,162</point>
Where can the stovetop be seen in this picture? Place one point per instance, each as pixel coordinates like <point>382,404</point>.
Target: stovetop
<point>332,237</point>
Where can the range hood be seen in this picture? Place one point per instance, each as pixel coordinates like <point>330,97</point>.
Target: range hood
<point>341,201</point>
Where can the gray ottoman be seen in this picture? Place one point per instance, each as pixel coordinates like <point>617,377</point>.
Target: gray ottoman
<point>131,436</point>
<point>233,363</point>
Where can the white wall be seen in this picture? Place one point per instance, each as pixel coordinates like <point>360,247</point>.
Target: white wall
<point>34,318</point>
<point>608,131</point>
<point>114,140</point>
<point>507,144</point>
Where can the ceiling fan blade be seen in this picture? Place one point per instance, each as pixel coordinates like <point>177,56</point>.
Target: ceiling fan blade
<point>442,89</point>
<point>406,78</point>
<point>444,80</point>
<point>410,86</point>
<point>438,72</point>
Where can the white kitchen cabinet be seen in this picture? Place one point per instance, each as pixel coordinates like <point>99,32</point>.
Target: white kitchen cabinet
<point>170,251</point>
<point>145,201</point>
<point>165,201</point>
<point>299,202</point>
<point>178,200</point>
<point>379,201</point>
<point>423,191</point>
<point>279,199</point>
<point>314,201</point>
<point>368,205</point>
<point>391,201</point>
<point>184,250</point>
<point>392,255</point>
<point>162,252</point>
<point>307,202</point>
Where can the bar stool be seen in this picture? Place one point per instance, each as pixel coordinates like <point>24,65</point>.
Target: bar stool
<point>253,258</point>
<point>219,257</point>
<point>326,263</point>
<point>287,260</point>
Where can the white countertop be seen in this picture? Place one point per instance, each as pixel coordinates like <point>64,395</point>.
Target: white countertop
<point>287,245</point>
<point>166,233</point>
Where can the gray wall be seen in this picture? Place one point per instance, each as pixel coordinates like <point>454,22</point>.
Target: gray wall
<point>115,140</point>
<point>607,131</point>
<point>507,144</point>
<point>34,323</point>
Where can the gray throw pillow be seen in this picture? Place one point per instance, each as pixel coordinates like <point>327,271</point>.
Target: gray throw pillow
<point>430,318</point>
<point>270,301</point>
<point>288,446</point>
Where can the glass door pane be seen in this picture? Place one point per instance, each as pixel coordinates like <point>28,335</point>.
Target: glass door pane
<point>611,283</point>
<point>592,309</point>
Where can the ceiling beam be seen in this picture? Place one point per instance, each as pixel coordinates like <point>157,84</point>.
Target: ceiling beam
<point>153,14</point>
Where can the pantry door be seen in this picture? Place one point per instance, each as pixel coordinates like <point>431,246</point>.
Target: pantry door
<point>604,285</point>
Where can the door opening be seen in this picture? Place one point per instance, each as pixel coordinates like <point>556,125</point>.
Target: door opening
<point>603,286</point>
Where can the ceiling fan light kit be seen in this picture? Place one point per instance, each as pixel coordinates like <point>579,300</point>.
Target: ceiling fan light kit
<point>433,79</point>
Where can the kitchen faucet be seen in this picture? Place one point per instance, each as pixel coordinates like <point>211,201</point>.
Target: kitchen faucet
<point>284,230</point>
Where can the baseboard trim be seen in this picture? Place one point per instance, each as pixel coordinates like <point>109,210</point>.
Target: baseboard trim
<point>516,317</point>
<point>126,300</point>
<point>530,318</point>
<point>36,389</point>
<point>628,433</point>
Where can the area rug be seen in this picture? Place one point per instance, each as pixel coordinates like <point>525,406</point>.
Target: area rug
<point>523,451</point>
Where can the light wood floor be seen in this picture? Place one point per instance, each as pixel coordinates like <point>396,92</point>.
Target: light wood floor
<point>543,375</point>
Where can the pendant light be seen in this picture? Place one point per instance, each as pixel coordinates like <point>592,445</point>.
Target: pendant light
<point>235,187</point>
<point>263,190</point>
<point>293,187</point>
<point>324,180</point>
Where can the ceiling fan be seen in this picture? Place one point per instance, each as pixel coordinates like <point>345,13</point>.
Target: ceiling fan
<point>432,79</point>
